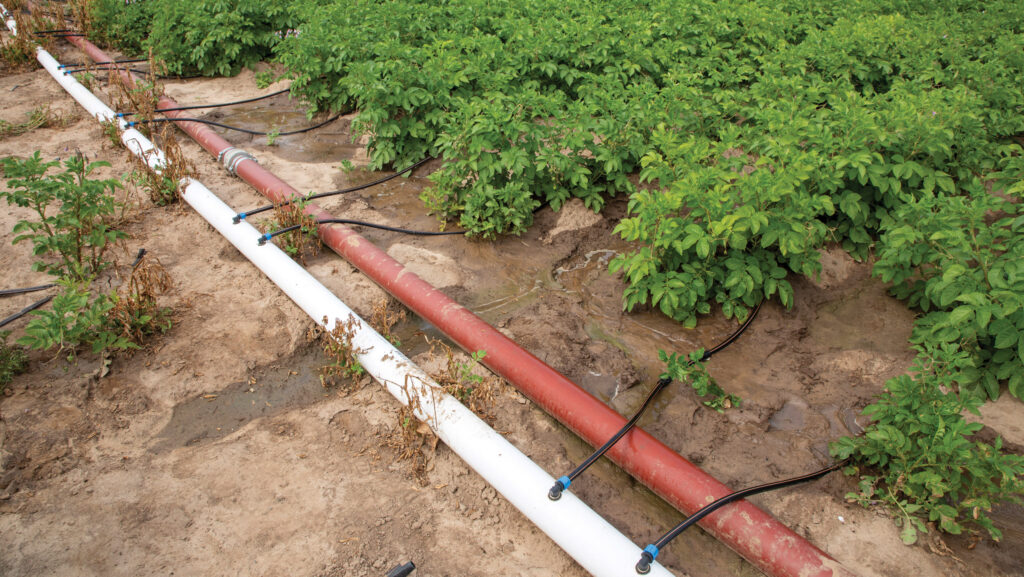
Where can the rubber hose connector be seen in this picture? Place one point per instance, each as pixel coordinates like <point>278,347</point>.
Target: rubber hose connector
<point>643,566</point>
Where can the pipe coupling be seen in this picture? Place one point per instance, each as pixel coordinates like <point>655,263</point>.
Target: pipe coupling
<point>231,157</point>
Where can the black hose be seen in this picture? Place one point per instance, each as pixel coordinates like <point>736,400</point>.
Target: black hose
<point>235,128</point>
<point>555,493</point>
<point>651,551</point>
<point>269,235</point>
<point>222,104</point>
<point>21,291</point>
<point>58,32</point>
<point>138,257</point>
<point>241,216</point>
<point>106,62</point>
<point>135,70</point>
<point>25,311</point>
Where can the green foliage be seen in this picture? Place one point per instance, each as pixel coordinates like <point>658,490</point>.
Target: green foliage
<point>125,26</point>
<point>918,457</point>
<point>76,317</point>
<point>690,368</point>
<point>212,38</point>
<point>73,214</point>
<point>839,112</point>
<point>13,360</point>
<point>960,259</point>
<point>217,37</point>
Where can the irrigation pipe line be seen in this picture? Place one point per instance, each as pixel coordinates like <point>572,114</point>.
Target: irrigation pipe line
<point>235,128</point>
<point>242,215</point>
<point>218,105</point>
<point>555,492</point>
<point>643,566</point>
<point>25,311</point>
<point>582,533</point>
<point>264,238</point>
<point>754,534</point>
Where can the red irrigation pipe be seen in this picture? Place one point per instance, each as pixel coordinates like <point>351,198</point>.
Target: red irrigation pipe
<point>754,534</point>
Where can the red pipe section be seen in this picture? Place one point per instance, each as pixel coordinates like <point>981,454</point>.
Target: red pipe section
<point>754,534</point>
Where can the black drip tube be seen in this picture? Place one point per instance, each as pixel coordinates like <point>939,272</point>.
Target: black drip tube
<point>643,566</point>
<point>229,127</point>
<point>21,291</point>
<point>25,311</point>
<point>269,235</point>
<point>555,493</point>
<point>242,215</point>
<point>220,105</point>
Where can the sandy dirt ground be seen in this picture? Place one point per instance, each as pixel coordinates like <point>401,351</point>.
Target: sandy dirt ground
<point>217,450</point>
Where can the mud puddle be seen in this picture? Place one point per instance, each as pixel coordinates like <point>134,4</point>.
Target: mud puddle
<point>286,384</point>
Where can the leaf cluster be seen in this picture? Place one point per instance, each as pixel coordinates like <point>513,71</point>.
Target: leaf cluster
<point>689,368</point>
<point>73,214</point>
<point>13,360</point>
<point>919,457</point>
<point>193,36</point>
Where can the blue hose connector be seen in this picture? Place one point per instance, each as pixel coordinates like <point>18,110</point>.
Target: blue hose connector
<point>643,566</point>
<point>555,493</point>
<point>264,238</point>
<point>239,218</point>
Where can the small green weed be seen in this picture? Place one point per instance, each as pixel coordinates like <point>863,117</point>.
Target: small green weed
<point>272,136</point>
<point>302,242</point>
<point>690,368</point>
<point>13,360</point>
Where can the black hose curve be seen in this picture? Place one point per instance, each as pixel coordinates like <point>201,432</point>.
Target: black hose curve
<point>21,291</point>
<point>103,63</point>
<point>651,551</point>
<point>555,493</point>
<point>240,216</point>
<point>219,105</point>
<point>135,70</point>
<point>269,235</point>
<point>25,311</point>
<point>235,128</point>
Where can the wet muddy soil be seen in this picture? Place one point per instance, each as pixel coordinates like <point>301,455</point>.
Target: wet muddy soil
<point>217,450</point>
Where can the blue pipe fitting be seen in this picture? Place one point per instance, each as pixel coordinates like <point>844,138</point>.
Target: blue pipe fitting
<point>238,218</point>
<point>643,566</point>
<point>264,238</point>
<point>555,493</point>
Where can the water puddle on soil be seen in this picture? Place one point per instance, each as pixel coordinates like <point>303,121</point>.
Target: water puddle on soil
<point>330,143</point>
<point>286,384</point>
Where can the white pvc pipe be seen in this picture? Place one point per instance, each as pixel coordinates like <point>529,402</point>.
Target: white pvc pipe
<point>583,534</point>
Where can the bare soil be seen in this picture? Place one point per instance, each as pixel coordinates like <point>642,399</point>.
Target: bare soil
<point>217,450</point>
